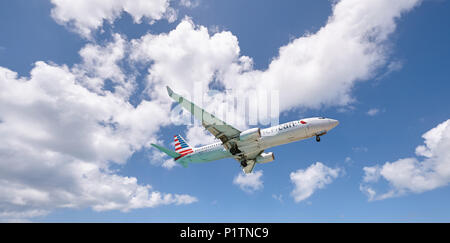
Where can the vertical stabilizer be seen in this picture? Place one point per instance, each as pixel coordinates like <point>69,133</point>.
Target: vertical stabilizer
<point>181,146</point>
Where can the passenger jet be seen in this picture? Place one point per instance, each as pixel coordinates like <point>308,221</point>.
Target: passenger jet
<point>247,147</point>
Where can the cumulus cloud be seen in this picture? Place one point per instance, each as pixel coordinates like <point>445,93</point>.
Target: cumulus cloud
<point>316,176</point>
<point>326,64</point>
<point>197,135</point>
<point>186,55</point>
<point>249,182</point>
<point>101,63</point>
<point>161,159</point>
<point>189,60</point>
<point>85,16</point>
<point>351,47</point>
<point>414,175</point>
<point>58,140</point>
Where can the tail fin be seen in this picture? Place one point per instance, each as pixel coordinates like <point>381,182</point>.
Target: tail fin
<point>181,146</point>
<point>181,149</point>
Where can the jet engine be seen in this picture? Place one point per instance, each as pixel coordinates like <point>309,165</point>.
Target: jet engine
<point>250,134</point>
<point>265,158</point>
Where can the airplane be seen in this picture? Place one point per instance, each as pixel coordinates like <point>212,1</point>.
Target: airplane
<point>247,147</point>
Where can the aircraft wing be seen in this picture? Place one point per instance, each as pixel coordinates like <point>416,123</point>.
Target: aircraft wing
<point>214,125</point>
<point>221,130</point>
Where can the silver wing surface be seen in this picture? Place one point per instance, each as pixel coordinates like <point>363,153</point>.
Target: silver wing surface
<point>222,131</point>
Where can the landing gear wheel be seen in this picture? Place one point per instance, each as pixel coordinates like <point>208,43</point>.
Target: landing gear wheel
<point>243,163</point>
<point>234,150</point>
<point>317,138</point>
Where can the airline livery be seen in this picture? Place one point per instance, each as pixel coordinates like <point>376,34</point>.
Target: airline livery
<point>247,147</point>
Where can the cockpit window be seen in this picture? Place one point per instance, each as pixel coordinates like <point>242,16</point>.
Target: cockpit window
<point>321,117</point>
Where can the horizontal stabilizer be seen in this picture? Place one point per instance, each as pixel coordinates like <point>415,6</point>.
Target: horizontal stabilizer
<point>183,163</point>
<point>171,153</point>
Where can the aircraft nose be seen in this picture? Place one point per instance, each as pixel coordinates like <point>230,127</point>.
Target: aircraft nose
<point>333,123</point>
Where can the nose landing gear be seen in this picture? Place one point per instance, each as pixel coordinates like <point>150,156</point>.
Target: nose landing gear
<point>320,134</point>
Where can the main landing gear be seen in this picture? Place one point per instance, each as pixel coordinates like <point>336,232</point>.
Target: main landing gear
<point>234,150</point>
<point>318,138</point>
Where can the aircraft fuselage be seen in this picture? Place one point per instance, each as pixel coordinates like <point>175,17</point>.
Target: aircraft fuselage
<point>270,137</point>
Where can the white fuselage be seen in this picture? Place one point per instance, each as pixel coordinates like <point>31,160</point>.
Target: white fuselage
<point>270,137</point>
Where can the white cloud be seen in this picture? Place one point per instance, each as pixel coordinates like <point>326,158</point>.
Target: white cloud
<point>100,63</point>
<point>316,176</point>
<point>161,159</point>
<point>373,112</point>
<point>189,59</point>
<point>22,216</point>
<point>86,16</point>
<point>412,175</point>
<point>393,66</point>
<point>189,3</point>
<point>169,164</point>
<point>327,64</point>
<point>58,139</point>
<point>197,135</point>
<point>185,56</point>
<point>372,174</point>
<point>249,182</point>
<point>278,197</point>
<point>351,47</point>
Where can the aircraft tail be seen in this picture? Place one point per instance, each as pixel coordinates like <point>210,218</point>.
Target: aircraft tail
<point>172,154</point>
<point>181,146</point>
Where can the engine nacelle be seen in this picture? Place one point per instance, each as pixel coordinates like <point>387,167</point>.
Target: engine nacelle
<point>250,134</point>
<point>265,158</point>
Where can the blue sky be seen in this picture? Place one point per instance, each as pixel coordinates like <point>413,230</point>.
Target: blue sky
<point>407,101</point>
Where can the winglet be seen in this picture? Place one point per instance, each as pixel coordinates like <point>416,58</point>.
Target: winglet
<point>176,97</point>
<point>169,91</point>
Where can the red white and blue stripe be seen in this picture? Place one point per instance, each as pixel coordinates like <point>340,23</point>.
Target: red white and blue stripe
<point>181,146</point>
